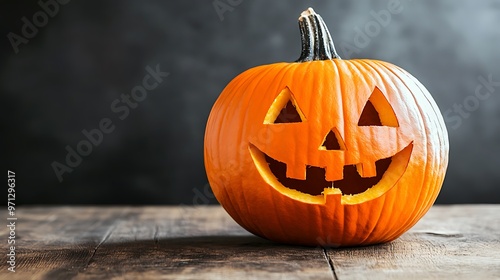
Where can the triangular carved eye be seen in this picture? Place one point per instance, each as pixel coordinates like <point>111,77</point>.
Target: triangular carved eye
<point>378,111</point>
<point>288,114</point>
<point>333,141</point>
<point>284,109</point>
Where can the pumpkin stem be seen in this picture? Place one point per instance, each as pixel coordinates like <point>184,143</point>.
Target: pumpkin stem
<point>317,44</point>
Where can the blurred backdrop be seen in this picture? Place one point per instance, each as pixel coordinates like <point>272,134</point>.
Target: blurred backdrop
<point>67,68</point>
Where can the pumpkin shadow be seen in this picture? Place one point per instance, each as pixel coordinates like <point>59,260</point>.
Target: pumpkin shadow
<point>212,243</point>
<point>206,251</point>
<point>167,255</point>
<point>175,255</point>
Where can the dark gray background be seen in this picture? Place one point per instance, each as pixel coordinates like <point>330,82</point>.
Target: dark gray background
<point>66,77</point>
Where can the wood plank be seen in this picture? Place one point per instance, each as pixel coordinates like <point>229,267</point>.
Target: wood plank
<point>459,242</point>
<point>153,243</point>
<point>56,242</point>
<point>198,243</point>
<point>450,242</point>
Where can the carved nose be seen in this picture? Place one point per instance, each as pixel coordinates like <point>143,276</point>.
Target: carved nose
<point>333,141</point>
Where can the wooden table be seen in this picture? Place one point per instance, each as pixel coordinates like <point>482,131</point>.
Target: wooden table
<point>450,242</point>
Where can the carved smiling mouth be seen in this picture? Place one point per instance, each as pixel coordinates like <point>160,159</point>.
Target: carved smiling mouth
<point>389,170</point>
<point>315,182</point>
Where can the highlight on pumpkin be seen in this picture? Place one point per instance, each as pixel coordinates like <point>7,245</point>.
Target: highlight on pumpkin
<point>284,109</point>
<point>378,111</point>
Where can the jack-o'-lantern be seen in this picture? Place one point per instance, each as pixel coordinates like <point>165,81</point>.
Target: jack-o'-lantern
<point>325,151</point>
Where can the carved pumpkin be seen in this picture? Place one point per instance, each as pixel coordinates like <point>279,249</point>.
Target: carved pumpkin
<point>325,151</point>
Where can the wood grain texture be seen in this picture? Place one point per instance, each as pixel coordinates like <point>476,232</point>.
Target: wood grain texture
<point>152,243</point>
<point>450,242</point>
<point>460,242</point>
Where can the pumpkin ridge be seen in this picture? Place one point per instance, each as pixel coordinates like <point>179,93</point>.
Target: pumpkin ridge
<point>248,82</point>
<point>285,72</point>
<point>442,140</point>
<point>412,217</point>
<point>256,82</point>
<point>339,88</point>
<point>387,232</point>
<point>429,197</point>
<point>374,222</point>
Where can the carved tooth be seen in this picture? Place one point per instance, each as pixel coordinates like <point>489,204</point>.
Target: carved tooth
<point>334,173</point>
<point>367,169</point>
<point>332,195</point>
<point>296,172</point>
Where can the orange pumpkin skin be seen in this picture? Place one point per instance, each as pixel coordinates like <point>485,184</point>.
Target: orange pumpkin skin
<point>328,94</point>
